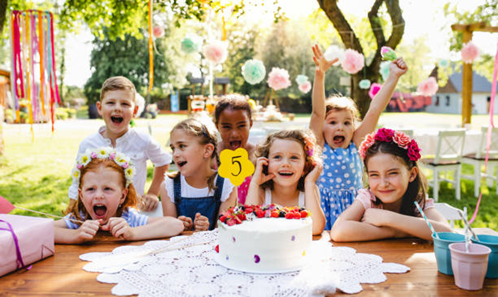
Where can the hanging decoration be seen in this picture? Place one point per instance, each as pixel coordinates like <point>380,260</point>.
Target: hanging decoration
<point>278,79</point>
<point>301,79</point>
<point>384,69</point>
<point>158,31</point>
<point>374,89</point>
<point>333,52</point>
<point>388,53</point>
<point>443,63</point>
<point>151,49</point>
<point>216,52</point>
<point>305,88</point>
<point>191,44</point>
<point>470,52</point>
<point>33,64</point>
<point>364,84</point>
<point>253,71</point>
<point>353,61</point>
<point>428,87</point>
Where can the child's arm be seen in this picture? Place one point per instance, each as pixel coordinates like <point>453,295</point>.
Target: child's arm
<point>318,95</point>
<point>169,208</point>
<point>396,69</point>
<point>255,194</point>
<point>84,233</point>
<point>157,227</point>
<point>414,226</point>
<point>150,200</point>
<point>312,199</point>
<point>349,227</point>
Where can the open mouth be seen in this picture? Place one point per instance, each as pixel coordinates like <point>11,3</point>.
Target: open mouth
<point>100,210</point>
<point>181,164</point>
<point>285,174</point>
<point>339,140</point>
<point>235,144</point>
<point>116,119</point>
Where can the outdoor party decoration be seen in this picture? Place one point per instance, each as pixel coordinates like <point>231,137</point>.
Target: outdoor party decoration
<point>278,79</point>
<point>301,79</point>
<point>428,87</point>
<point>364,84</point>
<point>388,53</point>
<point>235,165</point>
<point>443,63</point>
<point>470,52</point>
<point>158,31</point>
<point>151,50</point>
<point>374,89</point>
<point>33,64</point>
<point>191,44</point>
<point>305,88</point>
<point>353,61</point>
<point>384,69</point>
<point>253,71</point>
<point>216,51</point>
<point>333,52</point>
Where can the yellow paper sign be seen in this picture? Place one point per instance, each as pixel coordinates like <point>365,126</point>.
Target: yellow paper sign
<point>235,165</point>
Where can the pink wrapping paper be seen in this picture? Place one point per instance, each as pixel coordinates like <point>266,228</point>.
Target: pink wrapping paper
<point>35,237</point>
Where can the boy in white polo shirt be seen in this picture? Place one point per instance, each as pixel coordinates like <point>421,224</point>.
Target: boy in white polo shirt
<point>117,107</point>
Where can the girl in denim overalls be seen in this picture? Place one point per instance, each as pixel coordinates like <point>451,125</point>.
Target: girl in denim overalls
<point>195,194</point>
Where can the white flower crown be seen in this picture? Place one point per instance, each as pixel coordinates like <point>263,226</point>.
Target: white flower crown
<point>104,153</point>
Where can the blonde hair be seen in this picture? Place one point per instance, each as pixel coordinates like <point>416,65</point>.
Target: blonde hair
<point>307,140</point>
<point>77,208</point>
<point>339,103</point>
<point>116,83</point>
<point>205,135</point>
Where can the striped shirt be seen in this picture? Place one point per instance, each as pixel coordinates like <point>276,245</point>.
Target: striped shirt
<point>131,216</point>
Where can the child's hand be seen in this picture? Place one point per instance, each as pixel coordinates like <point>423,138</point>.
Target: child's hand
<point>201,222</point>
<point>119,228</point>
<point>398,67</point>
<point>148,202</point>
<point>376,217</point>
<point>314,174</point>
<point>187,222</point>
<point>88,230</point>
<point>322,64</point>
<point>259,176</point>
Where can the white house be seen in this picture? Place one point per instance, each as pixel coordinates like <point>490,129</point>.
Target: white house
<point>448,99</point>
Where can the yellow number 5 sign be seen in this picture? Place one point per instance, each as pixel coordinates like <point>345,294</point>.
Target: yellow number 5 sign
<point>235,165</point>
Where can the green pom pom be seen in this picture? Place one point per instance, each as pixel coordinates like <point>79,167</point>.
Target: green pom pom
<point>191,45</point>
<point>253,71</point>
<point>301,79</point>
<point>364,84</point>
<point>384,69</point>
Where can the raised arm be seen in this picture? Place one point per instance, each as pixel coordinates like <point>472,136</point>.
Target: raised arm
<point>396,69</point>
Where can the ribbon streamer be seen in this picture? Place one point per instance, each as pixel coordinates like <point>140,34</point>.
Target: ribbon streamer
<point>20,262</point>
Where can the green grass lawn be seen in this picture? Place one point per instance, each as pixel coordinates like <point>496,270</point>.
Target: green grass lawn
<point>35,172</point>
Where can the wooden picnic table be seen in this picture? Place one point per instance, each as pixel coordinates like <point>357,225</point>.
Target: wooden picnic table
<point>62,274</point>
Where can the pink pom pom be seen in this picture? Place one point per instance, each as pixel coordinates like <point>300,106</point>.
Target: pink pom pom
<point>278,79</point>
<point>158,31</point>
<point>305,88</point>
<point>374,89</point>
<point>428,87</point>
<point>216,52</point>
<point>470,52</point>
<point>353,61</point>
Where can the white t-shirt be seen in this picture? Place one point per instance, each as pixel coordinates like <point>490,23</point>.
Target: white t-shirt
<point>138,146</point>
<point>300,198</point>
<point>190,192</point>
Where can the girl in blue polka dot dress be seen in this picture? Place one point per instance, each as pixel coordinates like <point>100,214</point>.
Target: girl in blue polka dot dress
<point>338,130</point>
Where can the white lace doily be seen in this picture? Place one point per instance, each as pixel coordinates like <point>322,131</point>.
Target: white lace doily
<point>185,266</point>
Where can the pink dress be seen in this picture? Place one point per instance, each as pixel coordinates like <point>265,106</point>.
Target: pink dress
<point>367,198</point>
<point>243,189</point>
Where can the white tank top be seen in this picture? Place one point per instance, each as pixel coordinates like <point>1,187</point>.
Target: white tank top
<point>300,199</point>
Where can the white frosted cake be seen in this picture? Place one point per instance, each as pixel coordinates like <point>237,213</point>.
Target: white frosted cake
<point>265,244</point>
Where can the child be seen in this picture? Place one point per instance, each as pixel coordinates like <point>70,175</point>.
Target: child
<point>117,107</point>
<point>339,132</point>
<point>386,209</point>
<point>233,119</point>
<point>106,197</point>
<point>195,193</point>
<point>286,172</point>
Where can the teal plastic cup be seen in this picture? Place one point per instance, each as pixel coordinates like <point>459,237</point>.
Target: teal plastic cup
<point>491,241</point>
<point>442,251</point>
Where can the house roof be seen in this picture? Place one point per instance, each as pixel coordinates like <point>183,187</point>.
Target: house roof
<point>480,84</point>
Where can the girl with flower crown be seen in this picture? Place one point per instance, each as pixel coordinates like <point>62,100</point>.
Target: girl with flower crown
<point>107,201</point>
<point>386,208</point>
<point>287,168</point>
<point>339,132</point>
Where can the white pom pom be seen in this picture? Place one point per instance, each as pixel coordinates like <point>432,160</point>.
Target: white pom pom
<point>334,52</point>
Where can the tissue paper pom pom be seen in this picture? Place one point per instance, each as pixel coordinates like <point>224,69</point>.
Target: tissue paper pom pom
<point>374,89</point>
<point>158,31</point>
<point>216,51</point>
<point>443,63</point>
<point>384,69</point>
<point>278,79</point>
<point>428,87</point>
<point>301,79</point>
<point>364,84</point>
<point>253,71</point>
<point>334,52</point>
<point>470,52</point>
<point>305,88</point>
<point>388,53</point>
<point>353,61</point>
<point>191,44</point>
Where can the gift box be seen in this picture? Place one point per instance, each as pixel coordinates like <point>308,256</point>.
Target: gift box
<point>24,240</point>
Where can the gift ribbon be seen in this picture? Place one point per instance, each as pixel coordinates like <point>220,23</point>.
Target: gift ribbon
<point>20,262</point>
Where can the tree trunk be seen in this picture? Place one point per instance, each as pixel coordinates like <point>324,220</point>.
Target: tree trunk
<point>3,12</point>
<point>350,40</point>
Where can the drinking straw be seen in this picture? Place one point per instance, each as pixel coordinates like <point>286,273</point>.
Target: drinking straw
<point>426,219</point>
<point>467,225</point>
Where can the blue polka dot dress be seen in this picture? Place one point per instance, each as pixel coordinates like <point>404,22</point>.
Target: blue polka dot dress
<point>340,180</point>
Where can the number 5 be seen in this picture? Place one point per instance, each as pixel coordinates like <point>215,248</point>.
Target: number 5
<point>238,162</point>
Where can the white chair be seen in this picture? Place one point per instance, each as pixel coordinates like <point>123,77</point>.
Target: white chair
<point>408,132</point>
<point>450,213</point>
<point>477,160</point>
<point>448,158</point>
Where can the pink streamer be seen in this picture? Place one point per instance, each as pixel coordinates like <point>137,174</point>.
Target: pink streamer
<point>53,58</point>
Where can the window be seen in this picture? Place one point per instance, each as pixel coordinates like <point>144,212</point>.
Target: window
<point>447,100</point>
<point>437,101</point>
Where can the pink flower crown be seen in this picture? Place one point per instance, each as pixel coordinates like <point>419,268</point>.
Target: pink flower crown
<point>388,135</point>
<point>308,146</point>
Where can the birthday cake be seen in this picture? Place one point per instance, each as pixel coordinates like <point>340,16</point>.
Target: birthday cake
<point>266,239</point>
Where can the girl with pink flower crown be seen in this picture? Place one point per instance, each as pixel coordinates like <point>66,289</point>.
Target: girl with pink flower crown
<point>338,130</point>
<point>386,208</point>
